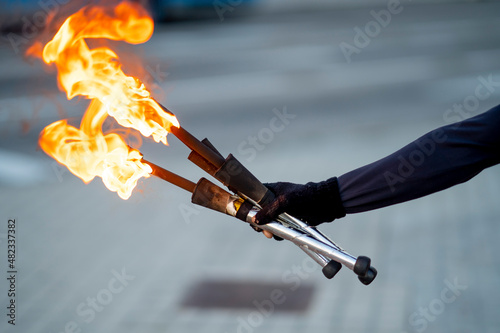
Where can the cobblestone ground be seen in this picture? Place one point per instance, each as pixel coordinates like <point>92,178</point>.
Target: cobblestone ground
<point>91,262</point>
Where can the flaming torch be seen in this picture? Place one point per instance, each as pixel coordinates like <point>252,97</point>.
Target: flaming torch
<point>96,74</point>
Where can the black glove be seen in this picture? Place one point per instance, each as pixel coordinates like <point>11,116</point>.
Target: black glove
<point>313,203</point>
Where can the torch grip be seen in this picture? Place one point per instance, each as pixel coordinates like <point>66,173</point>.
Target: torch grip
<point>234,175</point>
<point>325,252</point>
<point>240,180</point>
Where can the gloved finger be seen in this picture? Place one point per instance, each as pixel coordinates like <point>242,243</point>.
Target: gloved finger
<point>279,205</point>
<point>269,212</point>
<point>279,188</point>
<point>273,209</point>
<point>266,233</point>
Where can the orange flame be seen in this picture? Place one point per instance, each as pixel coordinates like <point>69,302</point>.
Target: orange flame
<point>97,75</point>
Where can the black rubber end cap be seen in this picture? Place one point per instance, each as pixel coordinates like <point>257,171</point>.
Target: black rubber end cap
<point>331,269</point>
<point>369,276</point>
<point>362,265</point>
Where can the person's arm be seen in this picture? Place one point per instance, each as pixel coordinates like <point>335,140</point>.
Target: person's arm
<point>442,158</point>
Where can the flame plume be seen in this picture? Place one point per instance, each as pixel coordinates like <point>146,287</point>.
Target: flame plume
<point>96,74</point>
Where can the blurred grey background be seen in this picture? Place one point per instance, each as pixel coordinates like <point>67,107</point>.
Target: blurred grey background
<point>88,261</point>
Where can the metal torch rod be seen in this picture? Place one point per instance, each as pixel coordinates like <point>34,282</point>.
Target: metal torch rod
<point>310,230</point>
<point>311,244</point>
<point>303,240</point>
<point>171,177</point>
<point>194,144</point>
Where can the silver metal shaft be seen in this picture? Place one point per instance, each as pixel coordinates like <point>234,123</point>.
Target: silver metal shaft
<point>305,241</point>
<point>296,223</point>
<point>311,230</point>
<point>321,260</point>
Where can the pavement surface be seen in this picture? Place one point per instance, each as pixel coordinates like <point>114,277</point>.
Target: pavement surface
<point>88,261</point>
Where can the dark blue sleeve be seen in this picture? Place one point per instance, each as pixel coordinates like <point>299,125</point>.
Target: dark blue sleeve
<point>440,159</point>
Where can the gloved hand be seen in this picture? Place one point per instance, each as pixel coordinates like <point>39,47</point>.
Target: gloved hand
<point>313,203</point>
